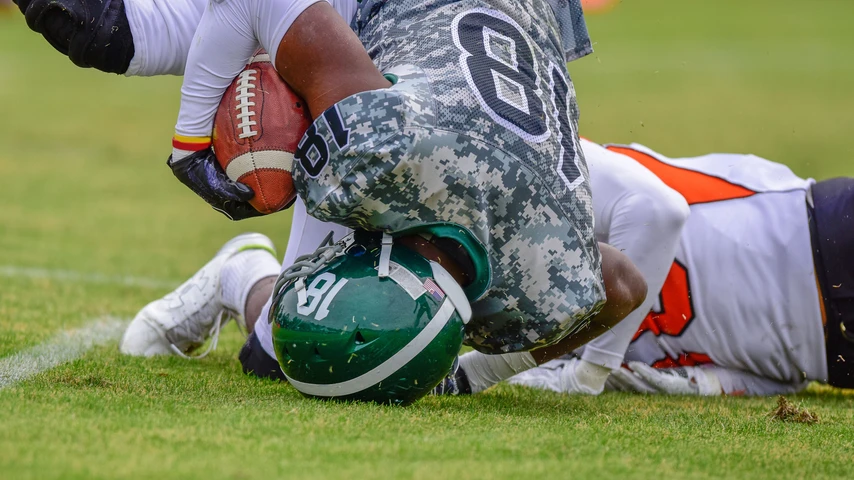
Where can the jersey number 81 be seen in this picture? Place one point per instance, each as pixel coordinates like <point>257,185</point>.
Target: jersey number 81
<point>500,67</point>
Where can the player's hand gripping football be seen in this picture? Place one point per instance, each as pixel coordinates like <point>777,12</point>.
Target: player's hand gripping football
<point>202,173</point>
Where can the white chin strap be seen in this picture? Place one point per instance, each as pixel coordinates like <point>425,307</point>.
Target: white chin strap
<point>444,279</point>
<point>302,298</point>
<point>453,290</point>
<point>385,255</point>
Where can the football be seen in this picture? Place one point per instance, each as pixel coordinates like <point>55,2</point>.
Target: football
<point>258,125</point>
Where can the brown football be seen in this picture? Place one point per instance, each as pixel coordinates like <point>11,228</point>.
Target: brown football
<point>257,128</point>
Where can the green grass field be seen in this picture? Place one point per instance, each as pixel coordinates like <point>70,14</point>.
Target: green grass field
<point>93,225</point>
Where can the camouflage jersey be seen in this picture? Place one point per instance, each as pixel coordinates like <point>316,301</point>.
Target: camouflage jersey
<point>478,131</point>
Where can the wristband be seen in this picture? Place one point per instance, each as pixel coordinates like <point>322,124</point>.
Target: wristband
<point>192,144</point>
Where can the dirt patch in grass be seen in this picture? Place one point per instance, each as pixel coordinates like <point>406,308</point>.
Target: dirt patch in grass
<point>787,411</point>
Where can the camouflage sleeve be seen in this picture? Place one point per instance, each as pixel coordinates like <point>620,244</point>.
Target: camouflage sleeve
<point>573,29</point>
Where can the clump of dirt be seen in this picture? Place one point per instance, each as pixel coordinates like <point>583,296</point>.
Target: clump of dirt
<point>789,412</point>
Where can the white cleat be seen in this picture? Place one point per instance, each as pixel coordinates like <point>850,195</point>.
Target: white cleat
<point>184,319</point>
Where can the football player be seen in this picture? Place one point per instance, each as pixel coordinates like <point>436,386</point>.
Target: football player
<point>637,202</point>
<point>758,299</point>
<point>460,113</point>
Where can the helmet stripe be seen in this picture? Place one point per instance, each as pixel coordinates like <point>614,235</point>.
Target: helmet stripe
<point>383,370</point>
<point>455,292</point>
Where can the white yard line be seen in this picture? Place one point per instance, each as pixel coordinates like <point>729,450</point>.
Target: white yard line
<point>15,271</point>
<point>62,348</point>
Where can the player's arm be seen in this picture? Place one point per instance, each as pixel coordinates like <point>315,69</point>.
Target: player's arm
<point>223,43</point>
<point>131,37</point>
<point>625,289</point>
<point>639,215</point>
<point>640,218</point>
<point>322,43</point>
<point>313,47</point>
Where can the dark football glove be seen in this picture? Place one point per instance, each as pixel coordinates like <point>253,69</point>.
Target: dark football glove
<point>201,172</point>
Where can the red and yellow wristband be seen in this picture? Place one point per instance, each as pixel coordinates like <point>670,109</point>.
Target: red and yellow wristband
<point>192,144</point>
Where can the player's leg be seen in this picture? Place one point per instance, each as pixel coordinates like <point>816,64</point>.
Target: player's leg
<point>132,37</point>
<point>184,319</point>
<point>832,231</point>
<point>257,355</point>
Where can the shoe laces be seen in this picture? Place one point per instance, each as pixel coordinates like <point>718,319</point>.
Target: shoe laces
<point>213,333</point>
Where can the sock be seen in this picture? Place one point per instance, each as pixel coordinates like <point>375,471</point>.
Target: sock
<point>241,272</point>
<point>591,377</point>
<point>484,371</point>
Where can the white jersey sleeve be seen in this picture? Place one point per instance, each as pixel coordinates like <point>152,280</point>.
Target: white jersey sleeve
<point>229,32</point>
<point>642,217</point>
<point>162,33</point>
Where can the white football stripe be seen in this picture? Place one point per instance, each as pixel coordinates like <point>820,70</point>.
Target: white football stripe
<point>15,271</point>
<point>62,348</point>
<point>271,159</point>
<point>383,370</point>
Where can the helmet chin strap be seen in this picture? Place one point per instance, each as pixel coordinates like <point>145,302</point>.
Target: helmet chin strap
<point>306,265</point>
<point>453,289</point>
<point>385,255</point>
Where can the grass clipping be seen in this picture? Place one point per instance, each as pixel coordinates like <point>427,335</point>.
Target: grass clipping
<point>788,412</point>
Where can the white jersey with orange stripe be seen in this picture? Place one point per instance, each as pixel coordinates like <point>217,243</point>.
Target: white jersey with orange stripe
<point>742,292</point>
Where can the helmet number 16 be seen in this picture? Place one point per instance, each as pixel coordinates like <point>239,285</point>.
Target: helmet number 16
<point>316,294</point>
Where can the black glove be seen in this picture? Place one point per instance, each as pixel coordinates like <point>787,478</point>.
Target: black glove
<point>201,172</point>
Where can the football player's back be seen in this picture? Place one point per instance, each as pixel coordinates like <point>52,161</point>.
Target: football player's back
<point>742,292</point>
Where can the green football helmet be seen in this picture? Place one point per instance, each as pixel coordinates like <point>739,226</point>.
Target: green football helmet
<point>367,319</point>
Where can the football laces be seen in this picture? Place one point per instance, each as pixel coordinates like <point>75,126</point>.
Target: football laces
<point>245,112</point>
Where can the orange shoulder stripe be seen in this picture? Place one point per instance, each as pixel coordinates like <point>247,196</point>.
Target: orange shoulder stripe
<point>696,187</point>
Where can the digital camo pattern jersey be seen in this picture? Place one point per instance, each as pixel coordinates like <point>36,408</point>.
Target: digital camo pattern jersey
<point>480,131</point>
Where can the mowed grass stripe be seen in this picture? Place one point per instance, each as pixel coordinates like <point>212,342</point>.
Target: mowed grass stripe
<point>15,271</point>
<point>62,348</point>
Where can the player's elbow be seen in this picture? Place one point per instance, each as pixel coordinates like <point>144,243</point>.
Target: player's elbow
<point>675,211</point>
<point>666,212</point>
<point>630,289</point>
<point>625,286</point>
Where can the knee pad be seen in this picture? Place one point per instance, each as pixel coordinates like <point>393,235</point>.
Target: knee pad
<point>92,33</point>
